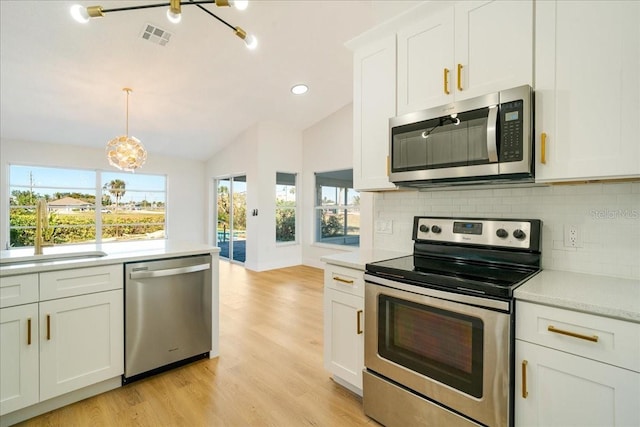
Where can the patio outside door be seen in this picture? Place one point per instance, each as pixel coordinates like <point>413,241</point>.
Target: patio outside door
<point>231,230</point>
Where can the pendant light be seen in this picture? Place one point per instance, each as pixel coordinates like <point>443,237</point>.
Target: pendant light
<point>126,152</point>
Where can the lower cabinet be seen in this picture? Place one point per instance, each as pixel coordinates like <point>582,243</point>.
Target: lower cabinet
<point>19,344</point>
<point>82,341</point>
<point>555,388</point>
<point>68,334</point>
<point>344,326</point>
<point>575,369</point>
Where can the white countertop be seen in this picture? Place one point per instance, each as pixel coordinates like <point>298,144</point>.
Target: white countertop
<point>602,295</point>
<point>117,252</point>
<point>358,259</point>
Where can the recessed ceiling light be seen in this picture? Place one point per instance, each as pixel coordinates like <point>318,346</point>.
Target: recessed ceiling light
<point>299,89</point>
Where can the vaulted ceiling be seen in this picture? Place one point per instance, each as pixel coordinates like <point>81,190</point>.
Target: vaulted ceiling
<point>61,81</point>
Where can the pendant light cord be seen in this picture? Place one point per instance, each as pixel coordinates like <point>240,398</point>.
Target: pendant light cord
<point>128,90</point>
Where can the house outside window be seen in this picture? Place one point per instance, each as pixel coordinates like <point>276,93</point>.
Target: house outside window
<point>285,207</point>
<point>337,209</point>
<point>85,206</point>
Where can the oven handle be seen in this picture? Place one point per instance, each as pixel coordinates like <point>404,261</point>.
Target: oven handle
<point>504,306</point>
<point>492,139</point>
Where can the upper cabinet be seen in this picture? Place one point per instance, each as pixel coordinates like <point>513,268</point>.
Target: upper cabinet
<point>462,51</point>
<point>374,103</point>
<point>587,88</point>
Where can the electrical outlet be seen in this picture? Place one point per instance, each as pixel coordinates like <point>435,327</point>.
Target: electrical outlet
<point>572,238</point>
<point>384,226</point>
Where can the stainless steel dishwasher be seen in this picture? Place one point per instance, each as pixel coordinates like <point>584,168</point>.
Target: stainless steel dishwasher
<point>167,314</point>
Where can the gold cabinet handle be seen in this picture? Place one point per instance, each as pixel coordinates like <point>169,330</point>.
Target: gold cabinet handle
<point>341,280</point>
<point>359,322</point>
<point>460,77</point>
<point>525,393</point>
<point>29,331</point>
<point>48,327</point>
<point>592,338</point>
<point>446,81</point>
<point>543,148</point>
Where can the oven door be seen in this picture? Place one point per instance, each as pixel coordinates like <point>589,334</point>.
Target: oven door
<point>456,353</point>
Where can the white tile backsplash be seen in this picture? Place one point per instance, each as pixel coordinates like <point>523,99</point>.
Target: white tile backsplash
<point>608,216</point>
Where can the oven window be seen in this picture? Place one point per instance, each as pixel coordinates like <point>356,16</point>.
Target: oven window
<point>443,345</point>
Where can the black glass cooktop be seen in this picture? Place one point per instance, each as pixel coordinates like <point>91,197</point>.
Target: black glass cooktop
<point>458,275</point>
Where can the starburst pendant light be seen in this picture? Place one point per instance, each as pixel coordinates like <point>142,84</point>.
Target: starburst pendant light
<point>126,152</point>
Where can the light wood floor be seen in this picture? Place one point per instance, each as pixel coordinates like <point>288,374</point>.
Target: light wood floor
<point>269,373</point>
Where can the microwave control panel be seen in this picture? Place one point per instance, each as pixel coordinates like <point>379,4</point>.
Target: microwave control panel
<point>511,124</point>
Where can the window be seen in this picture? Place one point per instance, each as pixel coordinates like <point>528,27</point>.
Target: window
<point>85,206</point>
<point>285,207</point>
<point>337,209</point>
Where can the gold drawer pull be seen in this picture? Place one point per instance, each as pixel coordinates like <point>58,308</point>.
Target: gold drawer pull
<point>29,331</point>
<point>48,326</point>
<point>446,81</point>
<point>341,280</point>
<point>460,77</point>
<point>358,316</point>
<point>543,148</point>
<point>525,393</point>
<point>592,338</point>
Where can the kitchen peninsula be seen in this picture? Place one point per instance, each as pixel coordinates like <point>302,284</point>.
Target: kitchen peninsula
<point>62,320</point>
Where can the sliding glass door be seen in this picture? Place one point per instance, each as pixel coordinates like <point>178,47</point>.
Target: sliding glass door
<point>231,229</point>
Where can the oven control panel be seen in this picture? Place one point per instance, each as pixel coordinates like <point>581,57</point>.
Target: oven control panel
<point>510,233</point>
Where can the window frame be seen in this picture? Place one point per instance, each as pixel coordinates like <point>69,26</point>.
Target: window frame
<point>97,226</point>
<point>294,208</point>
<point>344,186</point>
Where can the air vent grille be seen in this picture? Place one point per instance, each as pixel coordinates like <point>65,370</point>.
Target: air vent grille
<point>156,35</point>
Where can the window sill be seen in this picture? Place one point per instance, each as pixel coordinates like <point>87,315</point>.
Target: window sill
<point>346,248</point>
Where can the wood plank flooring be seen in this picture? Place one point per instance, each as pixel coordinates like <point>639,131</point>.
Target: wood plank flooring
<point>270,370</point>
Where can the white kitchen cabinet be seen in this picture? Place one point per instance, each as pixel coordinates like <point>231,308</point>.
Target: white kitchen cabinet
<point>82,341</point>
<point>18,357</point>
<point>587,85</point>
<point>464,50</point>
<point>344,325</point>
<point>60,331</point>
<point>374,103</point>
<point>575,369</point>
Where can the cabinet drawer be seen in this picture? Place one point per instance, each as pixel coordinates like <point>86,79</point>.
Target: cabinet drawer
<point>608,340</point>
<point>17,290</point>
<point>80,281</point>
<point>344,279</point>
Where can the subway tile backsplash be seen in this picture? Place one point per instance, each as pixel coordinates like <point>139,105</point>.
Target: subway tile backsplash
<point>607,217</point>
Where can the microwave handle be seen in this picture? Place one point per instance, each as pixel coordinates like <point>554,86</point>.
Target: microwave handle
<point>492,141</point>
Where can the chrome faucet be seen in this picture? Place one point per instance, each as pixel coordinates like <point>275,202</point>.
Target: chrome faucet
<point>42,222</point>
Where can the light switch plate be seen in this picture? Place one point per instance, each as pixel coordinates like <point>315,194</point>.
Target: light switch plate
<point>384,226</point>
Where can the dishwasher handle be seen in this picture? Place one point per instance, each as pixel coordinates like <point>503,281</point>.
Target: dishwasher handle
<point>168,272</point>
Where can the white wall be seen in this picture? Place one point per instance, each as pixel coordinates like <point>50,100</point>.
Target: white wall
<point>186,187</point>
<point>260,152</point>
<point>328,146</point>
<point>608,217</point>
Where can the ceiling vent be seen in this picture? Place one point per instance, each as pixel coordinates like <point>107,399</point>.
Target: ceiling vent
<point>156,35</point>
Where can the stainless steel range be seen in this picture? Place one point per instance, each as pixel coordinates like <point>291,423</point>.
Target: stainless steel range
<point>439,325</point>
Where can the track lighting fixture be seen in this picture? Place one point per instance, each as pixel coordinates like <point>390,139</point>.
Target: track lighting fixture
<point>174,13</point>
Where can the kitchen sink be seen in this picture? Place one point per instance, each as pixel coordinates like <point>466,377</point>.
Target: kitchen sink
<point>30,259</point>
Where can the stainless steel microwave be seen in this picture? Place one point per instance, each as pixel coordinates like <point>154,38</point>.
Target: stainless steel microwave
<point>488,139</point>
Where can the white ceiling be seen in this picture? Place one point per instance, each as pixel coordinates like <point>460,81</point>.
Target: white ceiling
<point>61,81</point>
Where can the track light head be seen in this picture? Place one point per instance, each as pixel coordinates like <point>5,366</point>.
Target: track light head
<point>84,14</point>
<point>249,39</point>
<point>174,13</point>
